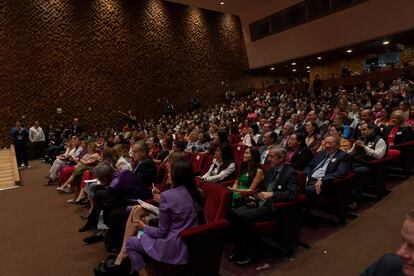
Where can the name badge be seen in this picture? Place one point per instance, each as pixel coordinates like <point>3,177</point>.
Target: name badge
<point>399,132</point>
<point>279,187</point>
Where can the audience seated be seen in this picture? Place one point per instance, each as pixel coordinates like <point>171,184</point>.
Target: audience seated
<point>372,147</point>
<point>223,167</point>
<point>73,151</point>
<point>180,207</point>
<point>396,133</point>
<point>111,199</point>
<point>298,155</point>
<point>250,176</point>
<point>90,159</point>
<point>269,139</point>
<point>327,165</point>
<point>294,119</point>
<point>279,184</point>
<point>313,139</point>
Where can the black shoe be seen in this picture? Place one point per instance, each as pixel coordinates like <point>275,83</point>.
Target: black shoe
<point>353,206</point>
<point>234,257</point>
<point>86,227</point>
<point>244,261</point>
<point>94,239</point>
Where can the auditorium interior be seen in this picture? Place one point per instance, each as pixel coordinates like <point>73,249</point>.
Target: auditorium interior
<point>207,137</point>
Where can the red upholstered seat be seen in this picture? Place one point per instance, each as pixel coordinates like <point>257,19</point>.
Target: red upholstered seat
<point>207,164</point>
<point>238,151</point>
<point>393,154</point>
<point>217,201</point>
<point>339,196</point>
<point>286,228</point>
<point>406,159</point>
<point>205,242</point>
<point>198,161</point>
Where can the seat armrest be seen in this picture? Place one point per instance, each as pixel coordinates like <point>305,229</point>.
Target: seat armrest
<point>199,231</point>
<point>298,200</point>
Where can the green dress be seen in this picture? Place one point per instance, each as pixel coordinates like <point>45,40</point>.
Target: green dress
<point>243,180</point>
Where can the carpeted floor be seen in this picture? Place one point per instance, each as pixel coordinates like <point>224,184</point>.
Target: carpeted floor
<point>38,234</point>
<point>39,231</point>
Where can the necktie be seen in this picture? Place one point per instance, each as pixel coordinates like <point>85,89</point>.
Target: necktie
<point>320,165</point>
<point>270,188</point>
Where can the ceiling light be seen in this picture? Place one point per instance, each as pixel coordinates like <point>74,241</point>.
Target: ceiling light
<point>319,58</point>
<point>349,51</point>
<point>307,67</point>
<point>272,68</point>
<point>308,71</point>
<point>293,63</point>
<point>293,70</point>
<point>221,3</point>
<point>385,42</point>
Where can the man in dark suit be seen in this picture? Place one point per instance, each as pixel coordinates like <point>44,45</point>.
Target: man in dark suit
<point>269,139</point>
<point>75,128</point>
<point>145,169</point>
<point>327,165</point>
<point>279,184</point>
<point>402,262</point>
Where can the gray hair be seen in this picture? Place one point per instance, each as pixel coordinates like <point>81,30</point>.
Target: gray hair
<point>280,151</point>
<point>103,170</point>
<point>290,126</point>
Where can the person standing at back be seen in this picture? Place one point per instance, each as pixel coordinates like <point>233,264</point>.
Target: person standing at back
<point>20,138</point>
<point>37,138</point>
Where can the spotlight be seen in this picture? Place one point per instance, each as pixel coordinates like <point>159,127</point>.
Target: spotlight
<point>221,3</point>
<point>385,42</point>
<point>293,70</point>
<point>307,67</point>
<point>272,68</point>
<point>349,51</point>
<point>319,58</point>
<point>293,63</point>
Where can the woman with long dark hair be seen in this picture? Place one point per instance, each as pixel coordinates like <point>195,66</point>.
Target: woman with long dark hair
<point>180,208</point>
<point>223,167</point>
<point>250,177</point>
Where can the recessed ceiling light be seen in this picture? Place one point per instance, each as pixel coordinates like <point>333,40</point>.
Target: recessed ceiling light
<point>349,51</point>
<point>293,63</point>
<point>385,42</point>
<point>272,68</point>
<point>307,67</point>
<point>293,70</point>
<point>319,58</point>
<point>221,3</point>
<point>308,71</point>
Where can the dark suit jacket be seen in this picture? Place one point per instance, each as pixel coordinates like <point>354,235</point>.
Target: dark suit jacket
<point>337,168</point>
<point>403,134</point>
<point>146,171</point>
<point>301,158</point>
<point>286,186</point>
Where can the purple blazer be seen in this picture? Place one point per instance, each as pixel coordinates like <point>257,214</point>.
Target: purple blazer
<point>178,211</point>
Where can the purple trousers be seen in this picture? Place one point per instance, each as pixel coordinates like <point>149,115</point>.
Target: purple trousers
<point>135,253</point>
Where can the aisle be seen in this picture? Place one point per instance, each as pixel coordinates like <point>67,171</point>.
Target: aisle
<point>39,231</point>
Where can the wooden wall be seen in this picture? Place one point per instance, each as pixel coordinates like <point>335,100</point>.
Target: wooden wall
<point>94,57</point>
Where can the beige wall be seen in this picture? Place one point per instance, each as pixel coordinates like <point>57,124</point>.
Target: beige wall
<point>363,22</point>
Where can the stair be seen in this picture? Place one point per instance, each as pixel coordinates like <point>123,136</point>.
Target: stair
<point>9,172</point>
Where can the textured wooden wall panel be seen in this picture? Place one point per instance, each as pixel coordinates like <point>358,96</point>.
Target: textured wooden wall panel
<point>106,55</point>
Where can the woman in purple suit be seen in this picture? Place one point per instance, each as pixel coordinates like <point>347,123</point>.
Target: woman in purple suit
<point>179,208</point>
